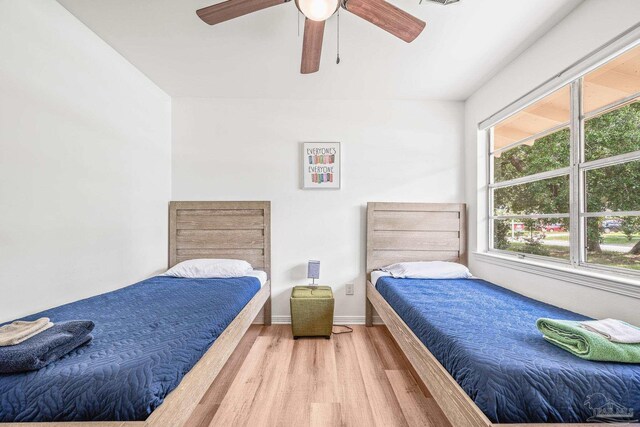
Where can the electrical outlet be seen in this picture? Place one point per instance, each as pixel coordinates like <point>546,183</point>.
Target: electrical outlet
<point>349,288</point>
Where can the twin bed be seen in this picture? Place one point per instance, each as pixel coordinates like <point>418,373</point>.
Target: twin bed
<point>475,345</point>
<point>159,344</point>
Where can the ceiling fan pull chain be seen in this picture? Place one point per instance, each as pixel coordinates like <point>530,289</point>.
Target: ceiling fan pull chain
<point>338,39</point>
<point>298,19</point>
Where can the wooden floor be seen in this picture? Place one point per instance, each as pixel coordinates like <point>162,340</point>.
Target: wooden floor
<point>358,379</point>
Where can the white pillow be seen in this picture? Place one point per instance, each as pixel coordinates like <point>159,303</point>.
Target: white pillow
<point>428,270</point>
<point>210,268</point>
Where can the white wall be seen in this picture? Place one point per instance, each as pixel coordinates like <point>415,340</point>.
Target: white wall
<point>85,162</point>
<point>250,150</point>
<point>591,25</point>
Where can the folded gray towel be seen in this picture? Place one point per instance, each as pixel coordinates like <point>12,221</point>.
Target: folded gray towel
<point>21,330</point>
<point>45,347</point>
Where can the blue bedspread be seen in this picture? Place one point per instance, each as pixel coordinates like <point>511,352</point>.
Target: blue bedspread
<point>486,337</point>
<point>147,337</point>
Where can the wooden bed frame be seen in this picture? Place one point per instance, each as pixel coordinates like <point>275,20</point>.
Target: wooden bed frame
<point>238,230</point>
<point>398,232</point>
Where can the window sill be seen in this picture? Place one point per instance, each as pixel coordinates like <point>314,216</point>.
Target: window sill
<point>616,284</point>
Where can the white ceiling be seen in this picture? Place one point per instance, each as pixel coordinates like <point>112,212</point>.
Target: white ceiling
<point>258,55</point>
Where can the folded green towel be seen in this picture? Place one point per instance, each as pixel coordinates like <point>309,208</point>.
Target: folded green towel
<point>570,336</point>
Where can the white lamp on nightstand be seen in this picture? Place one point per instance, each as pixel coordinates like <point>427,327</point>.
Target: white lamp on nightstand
<point>313,271</point>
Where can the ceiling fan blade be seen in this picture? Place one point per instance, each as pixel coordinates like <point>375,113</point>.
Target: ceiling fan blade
<point>388,17</point>
<point>230,9</point>
<point>312,46</point>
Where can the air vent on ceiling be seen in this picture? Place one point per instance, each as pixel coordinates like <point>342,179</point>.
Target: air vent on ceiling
<point>444,2</point>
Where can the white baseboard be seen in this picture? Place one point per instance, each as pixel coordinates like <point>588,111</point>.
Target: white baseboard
<point>337,320</point>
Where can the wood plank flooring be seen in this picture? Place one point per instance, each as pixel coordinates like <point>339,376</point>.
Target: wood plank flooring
<point>357,379</point>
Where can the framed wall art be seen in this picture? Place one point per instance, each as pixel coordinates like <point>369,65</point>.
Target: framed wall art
<point>321,165</point>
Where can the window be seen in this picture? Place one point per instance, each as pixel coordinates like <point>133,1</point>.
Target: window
<point>564,173</point>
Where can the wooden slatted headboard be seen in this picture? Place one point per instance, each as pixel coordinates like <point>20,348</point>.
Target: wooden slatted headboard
<point>230,230</point>
<point>398,232</point>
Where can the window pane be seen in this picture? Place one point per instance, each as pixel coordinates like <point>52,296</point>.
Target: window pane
<point>613,133</point>
<point>614,81</point>
<point>550,112</point>
<point>544,154</point>
<point>614,188</point>
<point>546,237</point>
<point>548,196</point>
<point>614,241</point>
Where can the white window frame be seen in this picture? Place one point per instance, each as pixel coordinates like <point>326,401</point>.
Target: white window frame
<point>576,170</point>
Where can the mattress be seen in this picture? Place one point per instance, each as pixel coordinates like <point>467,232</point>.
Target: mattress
<point>147,337</point>
<point>260,275</point>
<point>376,274</point>
<point>485,337</point>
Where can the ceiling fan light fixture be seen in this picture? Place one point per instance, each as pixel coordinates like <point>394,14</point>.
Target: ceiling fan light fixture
<point>317,10</point>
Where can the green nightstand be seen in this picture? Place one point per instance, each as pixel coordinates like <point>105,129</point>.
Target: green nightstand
<point>311,311</point>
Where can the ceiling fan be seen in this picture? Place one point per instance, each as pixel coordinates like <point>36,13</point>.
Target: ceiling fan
<point>316,12</point>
